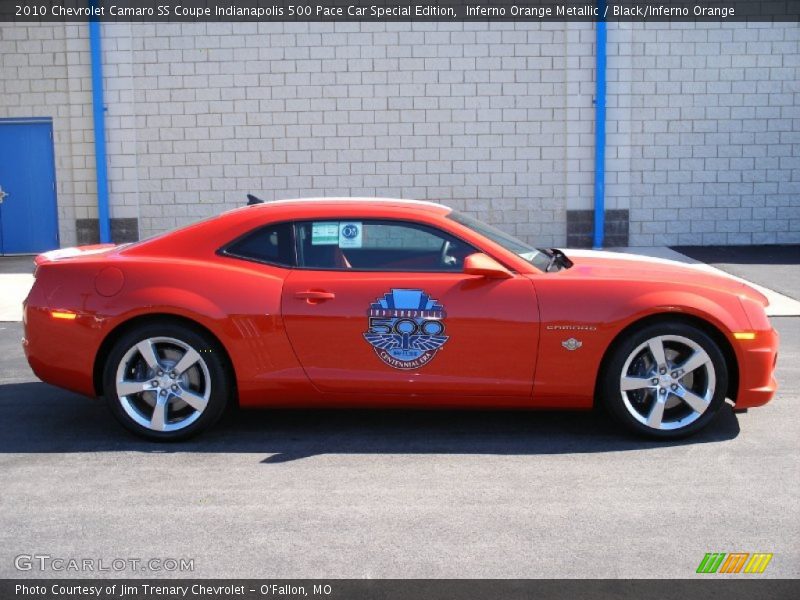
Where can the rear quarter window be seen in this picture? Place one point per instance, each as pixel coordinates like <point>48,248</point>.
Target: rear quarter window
<point>272,244</point>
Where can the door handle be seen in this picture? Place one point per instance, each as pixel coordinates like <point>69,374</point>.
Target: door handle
<point>312,295</point>
<point>3,194</point>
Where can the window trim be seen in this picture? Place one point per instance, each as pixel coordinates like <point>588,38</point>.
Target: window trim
<point>374,219</point>
<point>225,250</point>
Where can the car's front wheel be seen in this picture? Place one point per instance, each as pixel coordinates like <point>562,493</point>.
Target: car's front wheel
<point>166,381</point>
<point>665,380</point>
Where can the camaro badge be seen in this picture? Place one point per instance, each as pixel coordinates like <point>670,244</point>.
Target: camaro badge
<point>406,328</point>
<point>572,344</point>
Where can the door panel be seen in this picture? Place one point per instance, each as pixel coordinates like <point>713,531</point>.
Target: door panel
<point>413,333</point>
<point>28,214</point>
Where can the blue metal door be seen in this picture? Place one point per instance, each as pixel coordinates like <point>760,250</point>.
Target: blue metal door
<point>28,213</point>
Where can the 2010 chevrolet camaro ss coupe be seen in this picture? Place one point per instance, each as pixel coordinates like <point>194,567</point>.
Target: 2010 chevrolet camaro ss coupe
<point>389,303</point>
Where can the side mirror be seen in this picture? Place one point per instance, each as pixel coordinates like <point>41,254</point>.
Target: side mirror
<point>485,266</point>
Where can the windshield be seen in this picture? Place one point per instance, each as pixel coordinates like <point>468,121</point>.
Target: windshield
<point>533,255</point>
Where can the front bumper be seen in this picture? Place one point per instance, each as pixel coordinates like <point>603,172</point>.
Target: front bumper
<point>757,361</point>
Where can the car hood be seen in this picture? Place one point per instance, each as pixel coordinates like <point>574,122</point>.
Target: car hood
<point>631,267</point>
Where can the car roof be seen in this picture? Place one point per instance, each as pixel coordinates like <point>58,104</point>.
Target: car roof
<point>211,233</point>
<point>336,201</point>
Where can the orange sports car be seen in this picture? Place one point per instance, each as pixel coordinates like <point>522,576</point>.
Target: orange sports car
<point>389,303</point>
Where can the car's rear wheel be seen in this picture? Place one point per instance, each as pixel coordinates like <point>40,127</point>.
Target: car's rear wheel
<point>665,380</point>
<point>166,381</point>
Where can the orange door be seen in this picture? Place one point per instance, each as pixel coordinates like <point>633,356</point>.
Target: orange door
<point>413,333</point>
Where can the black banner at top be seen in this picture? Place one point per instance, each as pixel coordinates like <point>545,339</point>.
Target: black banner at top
<point>399,10</point>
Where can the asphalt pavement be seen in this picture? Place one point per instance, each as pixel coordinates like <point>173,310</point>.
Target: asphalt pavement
<point>396,494</point>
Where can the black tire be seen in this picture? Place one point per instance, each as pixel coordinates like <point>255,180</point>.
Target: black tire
<point>614,399</point>
<point>210,355</point>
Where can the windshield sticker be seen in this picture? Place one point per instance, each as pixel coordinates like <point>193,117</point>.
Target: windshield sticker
<point>350,235</point>
<point>406,328</point>
<point>325,233</point>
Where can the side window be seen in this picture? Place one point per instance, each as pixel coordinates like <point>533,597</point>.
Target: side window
<point>270,244</point>
<point>378,245</point>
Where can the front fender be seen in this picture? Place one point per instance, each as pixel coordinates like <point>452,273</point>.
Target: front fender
<point>724,313</point>
<point>566,372</point>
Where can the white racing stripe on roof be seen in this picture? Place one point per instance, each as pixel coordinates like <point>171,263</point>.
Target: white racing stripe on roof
<point>334,200</point>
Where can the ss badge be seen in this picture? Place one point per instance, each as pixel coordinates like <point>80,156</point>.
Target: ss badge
<point>572,344</point>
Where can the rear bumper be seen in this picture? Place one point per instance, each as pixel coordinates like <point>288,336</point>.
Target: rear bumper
<point>61,352</point>
<point>757,360</point>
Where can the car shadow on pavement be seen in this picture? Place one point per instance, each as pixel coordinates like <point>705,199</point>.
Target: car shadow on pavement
<point>39,418</point>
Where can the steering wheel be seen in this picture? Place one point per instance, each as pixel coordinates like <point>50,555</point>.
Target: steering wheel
<point>445,259</point>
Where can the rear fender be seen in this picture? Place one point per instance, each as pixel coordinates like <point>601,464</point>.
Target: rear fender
<point>182,302</point>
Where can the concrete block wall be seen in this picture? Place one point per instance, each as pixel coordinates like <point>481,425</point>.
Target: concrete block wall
<point>45,72</point>
<point>704,132</point>
<point>493,119</point>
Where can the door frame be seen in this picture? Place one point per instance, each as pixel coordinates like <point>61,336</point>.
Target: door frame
<point>49,122</point>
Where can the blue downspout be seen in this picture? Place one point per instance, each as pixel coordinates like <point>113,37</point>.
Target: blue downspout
<point>600,131</point>
<point>98,112</point>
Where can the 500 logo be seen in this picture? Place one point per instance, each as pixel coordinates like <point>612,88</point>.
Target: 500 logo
<point>736,562</point>
<point>406,328</point>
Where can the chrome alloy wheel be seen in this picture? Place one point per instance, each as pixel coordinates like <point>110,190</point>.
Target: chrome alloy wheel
<point>667,382</point>
<point>163,384</point>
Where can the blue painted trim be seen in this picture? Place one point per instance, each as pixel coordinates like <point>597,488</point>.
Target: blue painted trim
<point>55,176</point>
<point>600,130</point>
<point>98,112</point>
